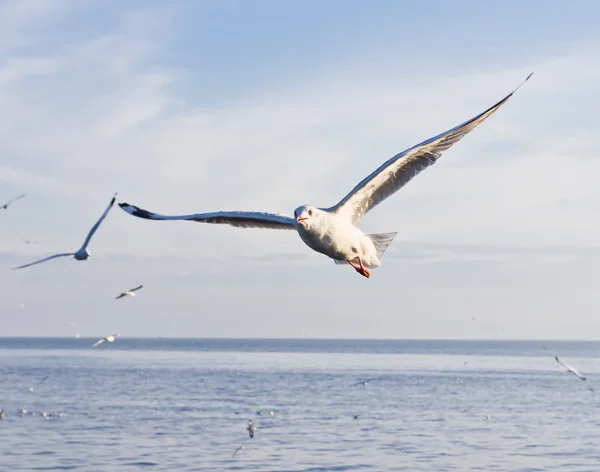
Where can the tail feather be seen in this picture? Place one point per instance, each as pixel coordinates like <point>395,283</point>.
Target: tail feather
<point>381,241</point>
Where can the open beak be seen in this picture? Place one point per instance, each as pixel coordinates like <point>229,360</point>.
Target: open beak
<point>301,219</point>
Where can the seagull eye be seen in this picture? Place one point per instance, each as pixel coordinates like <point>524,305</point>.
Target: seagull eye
<point>309,212</point>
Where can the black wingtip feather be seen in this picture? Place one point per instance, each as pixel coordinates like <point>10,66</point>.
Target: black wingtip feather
<point>136,211</point>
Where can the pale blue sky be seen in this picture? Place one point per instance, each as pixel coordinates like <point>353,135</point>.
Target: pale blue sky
<point>185,107</point>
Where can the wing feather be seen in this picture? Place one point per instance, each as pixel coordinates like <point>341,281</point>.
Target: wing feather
<point>97,225</point>
<point>44,260</point>
<point>400,169</point>
<point>239,219</point>
<point>8,203</point>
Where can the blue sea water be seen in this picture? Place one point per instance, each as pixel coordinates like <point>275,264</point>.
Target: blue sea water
<point>184,404</point>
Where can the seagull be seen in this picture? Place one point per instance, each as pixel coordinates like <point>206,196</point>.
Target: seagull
<point>271,413</point>
<point>362,382</point>
<point>62,414</point>
<point>237,450</point>
<point>129,293</point>
<point>109,339</point>
<point>22,411</point>
<point>45,415</point>
<point>355,417</point>
<point>8,203</point>
<point>82,254</point>
<point>1,414</point>
<point>251,428</point>
<point>29,241</point>
<point>573,370</point>
<point>332,231</point>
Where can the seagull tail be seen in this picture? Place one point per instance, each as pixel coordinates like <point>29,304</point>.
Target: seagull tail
<point>381,241</point>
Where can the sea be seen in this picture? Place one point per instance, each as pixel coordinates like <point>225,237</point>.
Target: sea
<point>184,404</point>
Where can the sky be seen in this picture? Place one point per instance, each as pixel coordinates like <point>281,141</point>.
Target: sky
<point>195,106</point>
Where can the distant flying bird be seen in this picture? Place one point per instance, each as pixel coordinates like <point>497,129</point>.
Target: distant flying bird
<point>109,339</point>
<point>236,451</point>
<point>29,241</point>
<point>22,411</point>
<point>82,254</point>
<point>573,370</point>
<point>332,231</point>
<point>129,293</point>
<point>1,414</point>
<point>355,417</point>
<point>8,203</point>
<point>251,428</point>
<point>362,382</point>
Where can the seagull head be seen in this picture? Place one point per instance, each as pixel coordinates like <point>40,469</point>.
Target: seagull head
<point>306,216</point>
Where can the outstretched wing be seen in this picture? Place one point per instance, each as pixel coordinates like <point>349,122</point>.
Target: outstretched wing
<point>240,219</point>
<point>400,169</point>
<point>100,341</point>
<point>137,288</point>
<point>561,362</point>
<point>7,204</point>
<point>44,260</point>
<point>99,222</point>
<point>120,296</point>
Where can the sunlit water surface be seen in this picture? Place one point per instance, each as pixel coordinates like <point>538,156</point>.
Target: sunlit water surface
<point>163,404</point>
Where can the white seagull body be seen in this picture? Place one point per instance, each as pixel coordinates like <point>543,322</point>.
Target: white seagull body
<point>82,254</point>
<point>332,231</point>
<point>8,203</point>
<point>569,368</point>
<point>109,339</point>
<point>129,293</point>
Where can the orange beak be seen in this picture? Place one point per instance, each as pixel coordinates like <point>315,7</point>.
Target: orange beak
<point>300,220</point>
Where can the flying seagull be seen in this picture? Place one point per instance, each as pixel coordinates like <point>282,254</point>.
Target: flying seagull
<point>251,428</point>
<point>332,231</point>
<point>82,254</point>
<point>8,203</point>
<point>129,293</point>
<point>110,339</point>
<point>362,382</point>
<point>237,450</point>
<point>573,370</point>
